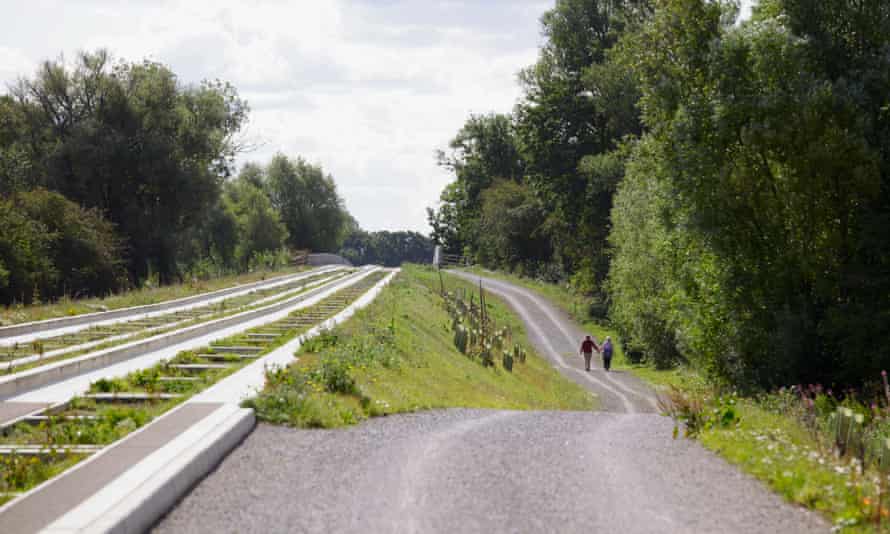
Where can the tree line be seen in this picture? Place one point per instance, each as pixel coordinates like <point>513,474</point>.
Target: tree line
<point>115,173</point>
<point>719,187</point>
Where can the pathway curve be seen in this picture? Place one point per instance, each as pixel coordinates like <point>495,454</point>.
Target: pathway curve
<point>558,337</point>
<point>617,471</point>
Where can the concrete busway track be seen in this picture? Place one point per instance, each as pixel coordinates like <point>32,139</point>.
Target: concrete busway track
<point>28,332</point>
<point>613,471</point>
<point>129,484</point>
<point>19,383</point>
<point>117,331</point>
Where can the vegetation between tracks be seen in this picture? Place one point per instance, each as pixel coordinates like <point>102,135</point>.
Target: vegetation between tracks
<point>88,421</point>
<point>224,309</point>
<point>150,294</point>
<point>398,355</point>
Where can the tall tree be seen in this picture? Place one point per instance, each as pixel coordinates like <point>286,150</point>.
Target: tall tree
<point>579,103</point>
<point>483,151</point>
<point>128,139</point>
<point>308,202</point>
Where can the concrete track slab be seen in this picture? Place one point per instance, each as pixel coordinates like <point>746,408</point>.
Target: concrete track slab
<point>41,506</point>
<point>10,411</point>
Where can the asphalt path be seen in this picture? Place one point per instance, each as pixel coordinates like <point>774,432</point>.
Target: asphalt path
<point>618,470</point>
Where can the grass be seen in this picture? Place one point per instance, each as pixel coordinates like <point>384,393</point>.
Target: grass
<point>67,307</point>
<point>397,355</point>
<point>793,463</point>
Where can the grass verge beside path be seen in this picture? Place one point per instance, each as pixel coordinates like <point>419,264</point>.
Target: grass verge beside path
<point>67,307</point>
<point>397,355</point>
<point>765,437</point>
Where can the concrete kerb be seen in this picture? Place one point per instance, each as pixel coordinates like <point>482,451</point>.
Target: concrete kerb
<point>148,490</point>
<point>136,500</point>
<point>34,378</point>
<point>49,324</point>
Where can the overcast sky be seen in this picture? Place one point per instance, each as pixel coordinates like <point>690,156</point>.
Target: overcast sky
<point>369,89</point>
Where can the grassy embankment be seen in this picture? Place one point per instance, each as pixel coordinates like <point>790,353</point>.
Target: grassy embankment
<point>780,438</point>
<point>398,355</point>
<point>68,307</point>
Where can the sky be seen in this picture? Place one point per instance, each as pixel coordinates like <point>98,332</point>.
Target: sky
<point>368,89</point>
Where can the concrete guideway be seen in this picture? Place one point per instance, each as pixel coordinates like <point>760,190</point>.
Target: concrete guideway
<point>134,481</point>
<point>28,332</point>
<point>146,352</point>
<point>289,288</point>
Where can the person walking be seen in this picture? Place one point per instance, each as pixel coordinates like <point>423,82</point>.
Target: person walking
<point>587,348</point>
<point>607,353</point>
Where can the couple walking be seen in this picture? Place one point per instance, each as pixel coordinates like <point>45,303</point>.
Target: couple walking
<point>589,345</point>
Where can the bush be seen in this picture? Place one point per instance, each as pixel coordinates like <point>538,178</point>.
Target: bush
<point>52,247</point>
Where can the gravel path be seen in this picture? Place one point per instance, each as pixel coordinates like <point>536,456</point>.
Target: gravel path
<point>482,471</point>
<point>617,471</point>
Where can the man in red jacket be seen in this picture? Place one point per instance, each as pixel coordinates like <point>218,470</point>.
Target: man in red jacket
<point>587,348</point>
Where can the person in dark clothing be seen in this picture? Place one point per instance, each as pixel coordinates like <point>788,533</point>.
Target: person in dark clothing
<point>587,348</point>
<point>607,353</point>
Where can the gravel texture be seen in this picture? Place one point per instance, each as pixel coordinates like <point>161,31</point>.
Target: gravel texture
<point>483,471</point>
<point>617,471</point>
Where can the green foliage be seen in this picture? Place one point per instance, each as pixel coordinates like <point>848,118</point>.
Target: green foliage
<point>389,249</point>
<point>748,208</point>
<point>509,227</point>
<point>696,412</point>
<point>308,202</point>
<point>127,139</point>
<point>483,151</point>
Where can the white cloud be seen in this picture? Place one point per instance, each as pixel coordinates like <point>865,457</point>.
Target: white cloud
<point>367,88</point>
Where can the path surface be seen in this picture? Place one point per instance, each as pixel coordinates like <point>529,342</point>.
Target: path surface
<point>491,471</point>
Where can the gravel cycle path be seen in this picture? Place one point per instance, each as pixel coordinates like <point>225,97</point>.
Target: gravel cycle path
<point>491,471</point>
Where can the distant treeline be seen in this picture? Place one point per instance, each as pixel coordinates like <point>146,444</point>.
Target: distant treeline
<point>114,174</point>
<point>720,188</point>
<point>390,249</point>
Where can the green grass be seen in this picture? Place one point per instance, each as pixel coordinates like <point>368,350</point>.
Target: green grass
<point>779,451</point>
<point>67,307</point>
<point>397,355</point>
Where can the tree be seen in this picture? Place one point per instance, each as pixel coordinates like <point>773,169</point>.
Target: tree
<point>774,174</point>
<point>125,138</point>
<point>259,227</point>
<point>308,202</point>
<point>51,247</point>
<point>510,227</point>
<point>390,249</point>
<point>483,151</point>
<point>579,104</point>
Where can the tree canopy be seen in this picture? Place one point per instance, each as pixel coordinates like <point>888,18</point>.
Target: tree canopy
<point>115,172</point>
<point>721,186</point>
